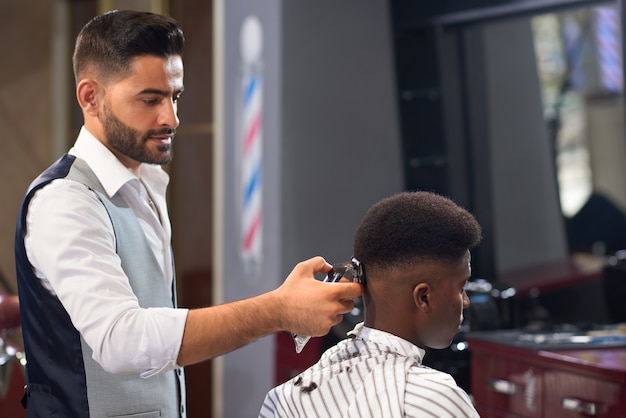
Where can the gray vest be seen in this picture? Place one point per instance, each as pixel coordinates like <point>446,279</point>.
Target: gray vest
<point>108,395</point>
<point>113,395</point>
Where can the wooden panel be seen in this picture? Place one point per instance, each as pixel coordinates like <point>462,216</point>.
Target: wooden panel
<point>195,288</point>
<point>512,382</point>
<point>490,376</point>
<point>11,390</point>
<point>606,363</point>
<point>589,393</point>
<point>528,398</point>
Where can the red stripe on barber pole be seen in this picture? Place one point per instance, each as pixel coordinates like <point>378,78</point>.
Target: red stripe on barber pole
<point>252,133</point>
<point>252,232</point>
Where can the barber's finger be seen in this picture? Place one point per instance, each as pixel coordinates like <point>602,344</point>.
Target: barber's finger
<point>347,305</point>
<point>313,265</point>
<point>347,290</point>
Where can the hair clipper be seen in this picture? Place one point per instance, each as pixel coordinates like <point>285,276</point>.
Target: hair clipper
<point>351,270</point>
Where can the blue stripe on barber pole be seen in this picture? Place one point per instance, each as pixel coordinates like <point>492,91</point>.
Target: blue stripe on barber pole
<point>249,89</point>
<point>253,185</point>
<point>609,48</point>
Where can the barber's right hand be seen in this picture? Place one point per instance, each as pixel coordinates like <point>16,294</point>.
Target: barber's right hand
<point>310,306</point>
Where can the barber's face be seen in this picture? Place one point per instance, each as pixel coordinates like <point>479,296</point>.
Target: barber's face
<point>139,115</point>
<point>448,300</point>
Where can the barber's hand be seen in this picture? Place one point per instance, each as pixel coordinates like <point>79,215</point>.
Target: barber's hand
<point>312,307</point>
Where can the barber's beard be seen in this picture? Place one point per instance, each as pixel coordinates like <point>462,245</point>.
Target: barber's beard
<point>133,143</point>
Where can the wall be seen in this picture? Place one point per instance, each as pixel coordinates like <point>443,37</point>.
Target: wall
<point>336,151</point>
<point>25,113</point>
<point>341,144</point>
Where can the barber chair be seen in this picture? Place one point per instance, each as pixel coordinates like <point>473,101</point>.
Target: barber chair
<point>12,360</point>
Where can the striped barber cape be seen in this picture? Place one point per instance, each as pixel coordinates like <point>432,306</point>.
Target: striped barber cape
<point>370,374</point>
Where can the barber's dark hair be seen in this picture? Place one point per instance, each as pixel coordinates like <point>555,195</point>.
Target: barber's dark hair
<point>108,42</point>
<point>411,227</point>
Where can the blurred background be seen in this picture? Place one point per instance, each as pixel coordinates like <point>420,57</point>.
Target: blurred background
<point>514,109</point>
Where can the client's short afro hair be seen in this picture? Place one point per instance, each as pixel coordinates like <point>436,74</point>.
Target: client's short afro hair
<point>414,226</point>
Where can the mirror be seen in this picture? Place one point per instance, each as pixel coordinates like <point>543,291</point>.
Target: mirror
<point>579,61</point>
<point>539,106</point>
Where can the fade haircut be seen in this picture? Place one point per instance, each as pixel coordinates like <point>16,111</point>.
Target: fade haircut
<point>107,43</point>
<point>411,227</point>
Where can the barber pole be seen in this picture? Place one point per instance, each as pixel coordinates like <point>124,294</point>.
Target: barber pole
<point>251,146</point>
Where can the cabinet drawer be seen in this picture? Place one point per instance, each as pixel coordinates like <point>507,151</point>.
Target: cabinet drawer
<point>573,396</point>
<point>503,385</point>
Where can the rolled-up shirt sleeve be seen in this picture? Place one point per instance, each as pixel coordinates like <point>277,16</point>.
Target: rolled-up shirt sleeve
<point>71,244</point>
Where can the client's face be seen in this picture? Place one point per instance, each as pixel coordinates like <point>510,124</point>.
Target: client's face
<point>447,302</point>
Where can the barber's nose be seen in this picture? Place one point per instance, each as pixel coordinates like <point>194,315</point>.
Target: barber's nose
<point>169,114</point>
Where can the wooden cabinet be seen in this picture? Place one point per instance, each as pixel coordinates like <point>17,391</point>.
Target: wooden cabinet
<point>12,381</point>
<point>509,381</point>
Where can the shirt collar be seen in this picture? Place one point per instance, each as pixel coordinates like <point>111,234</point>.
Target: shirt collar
<point>108,169</point>
<point>393,342</point>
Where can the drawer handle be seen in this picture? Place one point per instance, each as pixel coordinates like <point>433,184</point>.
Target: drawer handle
<point>501,386</point>
<point>576,405</point>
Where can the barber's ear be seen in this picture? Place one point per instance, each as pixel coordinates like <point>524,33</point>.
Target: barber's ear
<point>421,296</point>
<point>87,94</point>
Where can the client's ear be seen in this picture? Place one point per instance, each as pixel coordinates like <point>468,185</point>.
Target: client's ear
<point>421,296</point>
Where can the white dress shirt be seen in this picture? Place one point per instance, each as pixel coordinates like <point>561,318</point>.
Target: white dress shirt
<point>371,374</point>
<point>71,244</point>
